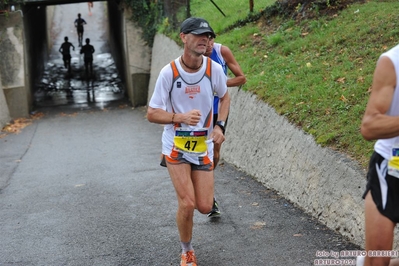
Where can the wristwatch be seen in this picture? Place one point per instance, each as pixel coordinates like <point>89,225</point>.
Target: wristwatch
<point>221,124</point>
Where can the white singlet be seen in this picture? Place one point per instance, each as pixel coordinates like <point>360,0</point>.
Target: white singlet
<point>180,92</point>
<point>384,146</point>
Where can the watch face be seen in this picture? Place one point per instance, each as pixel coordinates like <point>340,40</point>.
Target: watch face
<point>222,123</point>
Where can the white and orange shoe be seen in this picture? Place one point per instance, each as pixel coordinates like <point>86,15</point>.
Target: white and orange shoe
<point>360,261</point>
<point>188,259</point>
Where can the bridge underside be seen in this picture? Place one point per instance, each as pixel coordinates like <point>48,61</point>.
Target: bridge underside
<point>26,49</point>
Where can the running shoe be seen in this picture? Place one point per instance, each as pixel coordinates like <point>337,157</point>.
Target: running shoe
<point>215,209</point>
<point>188,259</point>
<point>360,261</point>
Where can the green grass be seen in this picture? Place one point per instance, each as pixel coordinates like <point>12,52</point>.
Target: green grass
<point>317,73</point>
<point>233,9</point>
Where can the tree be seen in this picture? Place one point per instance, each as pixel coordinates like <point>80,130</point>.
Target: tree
<point>3,5</point>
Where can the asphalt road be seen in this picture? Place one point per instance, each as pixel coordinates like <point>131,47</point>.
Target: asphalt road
<point>84,187</point>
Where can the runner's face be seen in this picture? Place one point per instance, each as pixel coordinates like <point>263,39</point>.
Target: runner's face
<point>197,43</point>
<point>209,47</point>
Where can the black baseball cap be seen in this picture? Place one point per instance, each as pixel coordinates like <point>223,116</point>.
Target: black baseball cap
<point>196,26</point>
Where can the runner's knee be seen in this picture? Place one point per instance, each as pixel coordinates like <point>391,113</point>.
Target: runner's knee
<point>205,209</point>
<point>187,205</point>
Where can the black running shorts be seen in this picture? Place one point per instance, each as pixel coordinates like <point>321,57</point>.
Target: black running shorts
<point>384,188</point>
<point>194,167</point>
<point>66,57</point>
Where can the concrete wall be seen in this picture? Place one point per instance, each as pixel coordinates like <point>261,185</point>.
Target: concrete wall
<point>12,64</point>
<point>36,49</point>
<point>131,53</point>
<point>326,184</point>
<point>4,113</point>
<point>163,52</point>
<point>49,18</point>
<point>117,38</point>
<point>22,34</point>
<point>138,62</point>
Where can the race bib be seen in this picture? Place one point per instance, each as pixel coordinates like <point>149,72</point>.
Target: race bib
<point>191,141</point>
<point>393,164</point>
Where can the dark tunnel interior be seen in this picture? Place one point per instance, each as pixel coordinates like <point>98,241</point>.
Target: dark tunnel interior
<point>51,84</point>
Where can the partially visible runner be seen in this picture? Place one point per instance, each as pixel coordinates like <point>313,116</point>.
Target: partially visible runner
<point>79,23</point>
<point>183,101</point>
<point>222,55</point>
<point>381,122</point>
<point>90,5</point>
<point>65,50</point>
<point>88,50</point>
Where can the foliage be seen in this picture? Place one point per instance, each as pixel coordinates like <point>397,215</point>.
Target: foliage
<point>237,12</point>
<point>147,14</point>
<point>3,4</point>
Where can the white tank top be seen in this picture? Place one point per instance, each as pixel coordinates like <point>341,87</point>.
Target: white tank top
<point>216,56</point>
<point>384,146</point>
<point>179,92</point>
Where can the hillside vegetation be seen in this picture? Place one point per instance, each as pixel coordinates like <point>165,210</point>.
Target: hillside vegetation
<point>315,69</point>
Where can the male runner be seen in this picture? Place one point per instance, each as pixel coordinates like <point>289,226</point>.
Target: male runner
<point>223,56</point>
<point>88,50</point>
<point>65,50</point>
<point>79,23</point>
<point>381,122</point>
<point>183,101</point>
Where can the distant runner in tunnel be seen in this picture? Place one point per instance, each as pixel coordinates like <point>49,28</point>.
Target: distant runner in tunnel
<point>88,51</point>
<point>79,22</point>
<point>57,87</point>
<point>65,50</point>
<point>90,4</point>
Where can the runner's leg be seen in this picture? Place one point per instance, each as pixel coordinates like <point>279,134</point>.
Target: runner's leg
<point>69,65</point>
<point>204,188</point>
<point>180,175</point>
<point>379,232</point>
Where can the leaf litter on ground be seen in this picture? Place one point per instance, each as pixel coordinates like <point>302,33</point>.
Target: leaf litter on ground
<point>16,125</point>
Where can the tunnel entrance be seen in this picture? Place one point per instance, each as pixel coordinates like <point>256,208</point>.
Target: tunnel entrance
<point>32,70</point>
<point>79,88</point>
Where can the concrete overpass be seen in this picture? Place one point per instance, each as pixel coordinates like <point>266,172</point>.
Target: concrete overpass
<point>25,42</point>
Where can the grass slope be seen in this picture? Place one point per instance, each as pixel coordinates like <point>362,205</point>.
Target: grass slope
<point>316,72</point>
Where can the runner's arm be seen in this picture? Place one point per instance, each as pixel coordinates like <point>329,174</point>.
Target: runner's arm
<point>224,105</point>
<point>239,77</point>
<point>376,124</point>
<point>160,116</point>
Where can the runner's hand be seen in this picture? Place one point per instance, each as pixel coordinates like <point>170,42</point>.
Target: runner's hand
<point>217,135</point>
<point>192,118</point>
